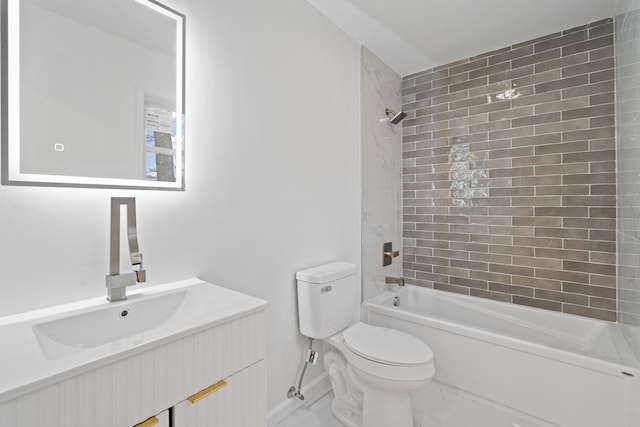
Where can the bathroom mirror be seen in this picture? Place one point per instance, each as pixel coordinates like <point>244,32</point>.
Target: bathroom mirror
<point>92,94</point>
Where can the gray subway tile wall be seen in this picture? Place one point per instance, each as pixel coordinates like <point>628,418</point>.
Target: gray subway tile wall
<point>509,187</point>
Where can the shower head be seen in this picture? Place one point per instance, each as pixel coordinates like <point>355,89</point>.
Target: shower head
<point>394,117</point>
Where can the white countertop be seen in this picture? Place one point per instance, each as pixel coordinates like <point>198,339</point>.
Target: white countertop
<point>26,366</point>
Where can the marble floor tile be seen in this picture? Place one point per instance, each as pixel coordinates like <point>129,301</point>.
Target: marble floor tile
<point>435,405</point>
<point>313,414</point>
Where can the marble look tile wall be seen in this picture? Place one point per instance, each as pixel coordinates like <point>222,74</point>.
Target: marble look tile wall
<point>509,187</point>
<point>627,30</point>
<point>381,172</point>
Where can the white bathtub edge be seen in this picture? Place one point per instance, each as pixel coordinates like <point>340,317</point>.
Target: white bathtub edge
<point>514,373</point>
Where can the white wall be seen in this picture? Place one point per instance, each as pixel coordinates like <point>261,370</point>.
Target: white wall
<point>273,177</point>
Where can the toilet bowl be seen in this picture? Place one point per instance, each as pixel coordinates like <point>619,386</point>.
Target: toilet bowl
<point>372,369</point>
<point>385,365</point>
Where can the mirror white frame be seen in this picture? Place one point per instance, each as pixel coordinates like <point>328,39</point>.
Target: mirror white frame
<point>11,120</point>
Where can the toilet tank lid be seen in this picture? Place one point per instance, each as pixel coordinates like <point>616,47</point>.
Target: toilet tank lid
<point>326,272</point>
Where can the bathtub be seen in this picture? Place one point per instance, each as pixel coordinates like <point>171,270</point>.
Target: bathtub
<point>557,369</point>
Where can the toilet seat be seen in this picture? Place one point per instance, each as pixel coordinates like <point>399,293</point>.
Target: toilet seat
<point>363,361</point>
<point>386,346</point>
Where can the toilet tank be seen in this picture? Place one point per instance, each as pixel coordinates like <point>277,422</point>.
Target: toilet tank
<point>328,299</point>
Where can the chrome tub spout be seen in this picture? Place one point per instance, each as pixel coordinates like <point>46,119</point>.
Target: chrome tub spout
<point>394,281</point>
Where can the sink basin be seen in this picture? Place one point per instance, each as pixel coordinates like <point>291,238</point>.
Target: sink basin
<point>49,345</point>
<point>130,319</point>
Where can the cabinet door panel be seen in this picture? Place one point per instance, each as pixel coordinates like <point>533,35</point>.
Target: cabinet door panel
<point>163,419</point>
<point>240,403</point>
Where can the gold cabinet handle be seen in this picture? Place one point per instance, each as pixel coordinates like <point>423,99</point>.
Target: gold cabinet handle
<point>207,391</point>
<point>148,423</point>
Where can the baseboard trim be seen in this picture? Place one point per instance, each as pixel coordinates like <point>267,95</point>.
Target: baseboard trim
<point>312,391</point>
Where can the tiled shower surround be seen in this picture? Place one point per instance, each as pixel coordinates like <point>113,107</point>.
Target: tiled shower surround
<point>509,174</point>
<point>628,165</point>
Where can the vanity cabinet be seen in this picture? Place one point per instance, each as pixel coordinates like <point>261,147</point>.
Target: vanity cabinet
<point>127,391</point>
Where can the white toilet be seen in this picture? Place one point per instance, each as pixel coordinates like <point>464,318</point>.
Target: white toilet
<point>372,369</point>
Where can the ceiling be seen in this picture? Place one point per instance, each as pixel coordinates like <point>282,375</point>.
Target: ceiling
<point>415,35</point>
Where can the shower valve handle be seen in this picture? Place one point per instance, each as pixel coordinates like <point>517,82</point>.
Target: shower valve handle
<point>388,254</point>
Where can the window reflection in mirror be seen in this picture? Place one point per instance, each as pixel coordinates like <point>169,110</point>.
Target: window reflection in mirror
<point>95,93</point>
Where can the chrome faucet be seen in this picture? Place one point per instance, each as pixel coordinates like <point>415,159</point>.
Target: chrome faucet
<point>117,283</point>
<point>394,281</point>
